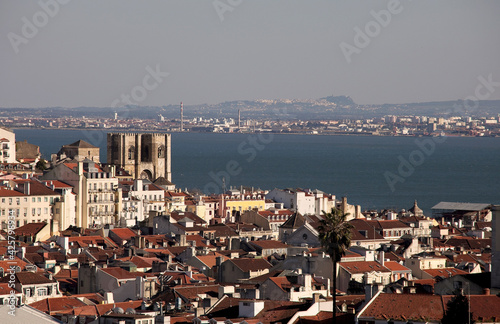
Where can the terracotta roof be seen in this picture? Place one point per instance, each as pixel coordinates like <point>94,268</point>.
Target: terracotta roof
<point>28,278</point>
<point>56,183</point>
<point>30,229</point>
<point>363,267</point>
<point>211,259</point>
<point>191,292</point>
<point>124,233</point>
<point>394,266</point>
<point>295,221</point>
<point>36,188</point>
<point>222,230</point>
<point>161,181</point>
<point>80,144</point>
<point>4,192</point>
<point>6,290</point>
<point>98,240</point>
<point>269,244</point>
<point>55,305</point>
<point>405,307</point>
<point>66,273</point>
<point>141,262</point>
<point>444,272</point>
<point>248,264</point>
<point>199,240</point>
<point>177,216</point>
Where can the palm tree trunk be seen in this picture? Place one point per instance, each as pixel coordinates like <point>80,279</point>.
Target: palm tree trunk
<point>334,293</point>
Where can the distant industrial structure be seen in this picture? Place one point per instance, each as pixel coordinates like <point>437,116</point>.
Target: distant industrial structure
<point>182,118</point>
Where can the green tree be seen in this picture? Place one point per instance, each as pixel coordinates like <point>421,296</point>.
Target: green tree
<point>335,238</point>
<point>457,310</point>
<point>41,165</point>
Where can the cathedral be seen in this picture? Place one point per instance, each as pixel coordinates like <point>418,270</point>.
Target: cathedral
<point>143,155</point>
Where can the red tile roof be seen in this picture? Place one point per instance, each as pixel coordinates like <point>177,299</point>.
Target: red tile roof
<point>124,233</point>
<point>248,264</point>
<point>445,272</point>
<point>269,244</point>
<point>56,183</point>
<point>55,305</point>
<point>4,192</point>
<point>30,229</point>
<point>405,307</point>
<point>363,267</point>
<point>118,273</point>
<point>394,266</point>
<point>211,259</point>
<point>28,278</point>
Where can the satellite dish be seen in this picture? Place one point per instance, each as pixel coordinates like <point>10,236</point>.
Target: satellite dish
<point>130,311</point>
<point>118,310</point>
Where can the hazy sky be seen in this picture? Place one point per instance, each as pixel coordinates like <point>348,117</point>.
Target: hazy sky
<point>89,53</point>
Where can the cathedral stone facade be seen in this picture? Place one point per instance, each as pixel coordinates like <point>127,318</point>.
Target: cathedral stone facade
<point>143,155</point>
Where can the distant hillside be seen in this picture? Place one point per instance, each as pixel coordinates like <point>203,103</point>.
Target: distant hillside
<point>331,107</point>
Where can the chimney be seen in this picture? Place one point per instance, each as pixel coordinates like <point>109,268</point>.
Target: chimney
<point>316,298</point>
<point>27,188</point>
<point>344,204</point>
<point>80,168</point>
<point>108,298</point>
<point>382,256</point>
<point>218,261</point>
<point>357,211</point>
<point>486,291</point>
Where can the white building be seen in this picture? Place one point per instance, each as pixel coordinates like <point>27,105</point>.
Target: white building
<point>7,146</point>
<point>142,198</point>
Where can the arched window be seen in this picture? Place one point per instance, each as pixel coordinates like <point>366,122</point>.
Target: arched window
<point>161,151</point>
<point>131,152</point>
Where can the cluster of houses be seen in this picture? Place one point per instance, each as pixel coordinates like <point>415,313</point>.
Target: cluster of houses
<point>94,244</point>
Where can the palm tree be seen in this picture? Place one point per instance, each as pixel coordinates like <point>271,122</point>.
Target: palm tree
<point>335,238</point>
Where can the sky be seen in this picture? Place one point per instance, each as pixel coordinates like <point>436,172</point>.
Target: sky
<point>155,53</point>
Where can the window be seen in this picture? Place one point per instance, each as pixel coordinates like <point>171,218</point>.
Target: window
<point>42,291</point>
<point>39,199</point>
<point>45,199</point>
<point>45,210</point>
<point>33,199</point>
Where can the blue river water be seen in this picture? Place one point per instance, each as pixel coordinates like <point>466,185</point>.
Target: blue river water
<point>374,172</point>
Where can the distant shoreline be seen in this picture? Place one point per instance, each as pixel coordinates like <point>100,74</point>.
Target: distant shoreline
<point>121,130</point>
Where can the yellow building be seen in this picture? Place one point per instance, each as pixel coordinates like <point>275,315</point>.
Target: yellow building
<point>231,206</point>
